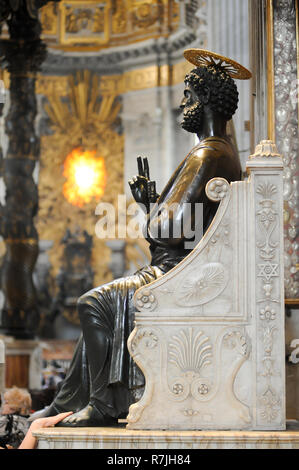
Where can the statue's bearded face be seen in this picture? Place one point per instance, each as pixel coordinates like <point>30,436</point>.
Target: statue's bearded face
<point>192,110</point>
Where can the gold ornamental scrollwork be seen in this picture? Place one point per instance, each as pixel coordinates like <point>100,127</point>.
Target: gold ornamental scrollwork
<point>48,18</point>
<point>119,18</point>
<point>84,22</point>
<point>146,14</point>
<point>147,77</point>
<point>75,25</point>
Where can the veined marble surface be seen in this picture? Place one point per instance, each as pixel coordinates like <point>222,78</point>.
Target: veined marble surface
<point>209,334</point>
<point>120,438</point>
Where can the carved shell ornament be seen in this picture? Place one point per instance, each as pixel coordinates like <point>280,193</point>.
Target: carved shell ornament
<point>202,287</point>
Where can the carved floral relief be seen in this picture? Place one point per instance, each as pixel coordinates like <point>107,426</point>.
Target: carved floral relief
<point>267,245</point>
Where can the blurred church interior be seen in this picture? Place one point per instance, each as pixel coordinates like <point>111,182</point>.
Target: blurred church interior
<point>87,87</point>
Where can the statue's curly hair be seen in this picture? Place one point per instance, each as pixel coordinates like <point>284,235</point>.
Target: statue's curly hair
<point>224,95</point>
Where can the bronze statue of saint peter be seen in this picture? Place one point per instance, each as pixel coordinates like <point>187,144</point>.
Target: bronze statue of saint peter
<point>100,384</point>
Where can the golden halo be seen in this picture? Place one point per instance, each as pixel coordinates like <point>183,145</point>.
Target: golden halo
<point>201,57</point>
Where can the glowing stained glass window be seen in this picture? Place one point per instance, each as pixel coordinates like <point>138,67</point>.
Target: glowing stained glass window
<point>85,175</point>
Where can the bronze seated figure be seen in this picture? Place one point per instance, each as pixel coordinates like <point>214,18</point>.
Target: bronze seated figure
<point>102,375</point>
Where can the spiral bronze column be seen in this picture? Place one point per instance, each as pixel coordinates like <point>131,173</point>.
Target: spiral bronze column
<point>23,55</point>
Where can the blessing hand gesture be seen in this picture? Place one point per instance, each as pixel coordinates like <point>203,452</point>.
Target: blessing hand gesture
<point>143,190</point>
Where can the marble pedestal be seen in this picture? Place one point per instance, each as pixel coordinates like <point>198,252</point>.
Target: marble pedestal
<point>118,438</point>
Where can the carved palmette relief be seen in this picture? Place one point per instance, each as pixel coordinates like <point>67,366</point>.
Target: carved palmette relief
<point>195,369</point>
<point>267,219</point>
<point>190,352</point>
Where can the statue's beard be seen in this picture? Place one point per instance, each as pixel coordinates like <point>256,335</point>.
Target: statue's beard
<point>193,117</point>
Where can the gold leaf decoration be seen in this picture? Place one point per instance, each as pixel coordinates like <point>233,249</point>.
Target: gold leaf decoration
<point>82,117</point>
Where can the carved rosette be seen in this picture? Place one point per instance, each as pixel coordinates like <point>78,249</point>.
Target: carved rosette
<point>217,189</point>
<point>145,300</point>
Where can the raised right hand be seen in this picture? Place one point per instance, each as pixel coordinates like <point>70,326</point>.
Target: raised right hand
<point>143,190</point>
<point>138,185</point>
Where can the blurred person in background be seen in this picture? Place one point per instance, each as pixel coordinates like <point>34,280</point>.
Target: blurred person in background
<point>30,441</point>
<point>15,412</point>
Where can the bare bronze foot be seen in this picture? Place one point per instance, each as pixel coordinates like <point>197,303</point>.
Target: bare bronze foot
<point>44,413</point>
<point>88,416</point>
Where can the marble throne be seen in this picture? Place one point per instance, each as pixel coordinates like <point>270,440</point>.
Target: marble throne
<point>209,334</point>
